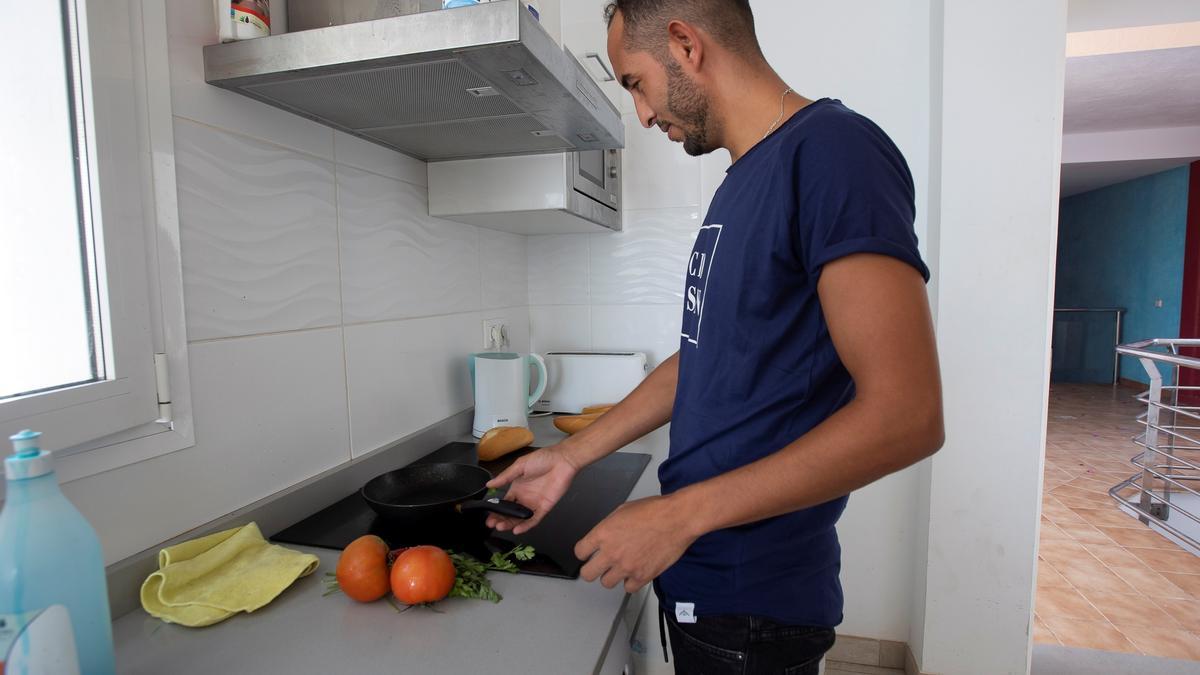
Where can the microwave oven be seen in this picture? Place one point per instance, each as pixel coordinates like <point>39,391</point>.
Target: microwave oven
<point>531,194</point>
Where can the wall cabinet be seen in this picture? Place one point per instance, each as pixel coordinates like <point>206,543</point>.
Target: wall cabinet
<point>579,26</point>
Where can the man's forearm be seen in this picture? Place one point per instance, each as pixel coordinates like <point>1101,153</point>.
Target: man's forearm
<point>857,446</point>
<point>645,409</point>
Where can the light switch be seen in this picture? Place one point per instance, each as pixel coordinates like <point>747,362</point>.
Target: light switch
<point>1158,303</point>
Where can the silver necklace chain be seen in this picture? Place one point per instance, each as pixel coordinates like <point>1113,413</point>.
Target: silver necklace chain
<point>774,124</point>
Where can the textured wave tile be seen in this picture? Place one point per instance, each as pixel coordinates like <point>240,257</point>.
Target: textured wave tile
<point>653,329</point>
<point>191,26</point>
<point>558,269</point>
<point>712,173</point>
<point>397,260</point>
<point>405,375</point>
<point>645,263</point>
<point>259,235</point>
<point>353,151</point>
<point>504,265</point>
<point>658,173</point>
<point>560,328</point>
<point>270,412</point>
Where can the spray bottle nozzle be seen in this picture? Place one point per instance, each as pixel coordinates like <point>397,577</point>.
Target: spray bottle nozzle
<point>25,443</point>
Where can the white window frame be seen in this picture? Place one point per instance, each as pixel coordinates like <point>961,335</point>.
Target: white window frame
<point>143,412</point>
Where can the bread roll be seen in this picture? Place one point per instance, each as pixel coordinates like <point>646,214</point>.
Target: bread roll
<point>573,424</point>
<point>599,408</point>
<point>499,441</point>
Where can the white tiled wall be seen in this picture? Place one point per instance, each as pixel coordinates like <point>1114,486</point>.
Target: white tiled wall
<point>190,26</point>
<point>558,269</point>
<point>658,174</point>
<point>259,233</point>
<point>270,411</point>
<point>397,260</point>
<point>643,265</point>
<point>504,269</point>
<point>353,151</point>
<point>327,313</point>
<point>406,375</point>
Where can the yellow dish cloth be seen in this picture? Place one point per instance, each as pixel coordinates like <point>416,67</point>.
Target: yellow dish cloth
<point>207,580</point>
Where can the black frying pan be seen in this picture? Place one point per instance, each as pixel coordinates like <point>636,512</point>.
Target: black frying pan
<point>423,493</point>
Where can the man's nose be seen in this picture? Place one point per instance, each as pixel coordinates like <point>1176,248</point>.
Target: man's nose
<point>645,115</point>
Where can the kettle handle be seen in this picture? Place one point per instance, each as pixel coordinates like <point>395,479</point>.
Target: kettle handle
<point>540,363</point>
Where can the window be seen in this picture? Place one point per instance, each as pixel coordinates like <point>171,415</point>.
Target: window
<point>54,338</point>
<point>85,212</point>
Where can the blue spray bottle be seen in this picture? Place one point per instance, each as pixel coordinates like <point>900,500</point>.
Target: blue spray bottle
<point>54,614</point>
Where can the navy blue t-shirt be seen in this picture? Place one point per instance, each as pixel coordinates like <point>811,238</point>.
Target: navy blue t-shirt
<point>757,368</point>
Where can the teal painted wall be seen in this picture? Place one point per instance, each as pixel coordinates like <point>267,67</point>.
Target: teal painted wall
<point>1122,246</point>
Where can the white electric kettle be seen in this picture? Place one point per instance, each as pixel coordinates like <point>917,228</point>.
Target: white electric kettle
<point>500,382</point>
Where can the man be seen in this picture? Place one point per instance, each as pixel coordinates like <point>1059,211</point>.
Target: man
<point>807,366</point>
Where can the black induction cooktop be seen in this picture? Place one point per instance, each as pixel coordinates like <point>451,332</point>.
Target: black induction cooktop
<point>598,489</point>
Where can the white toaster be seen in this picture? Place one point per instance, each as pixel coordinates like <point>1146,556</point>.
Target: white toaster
<point>575,380</point>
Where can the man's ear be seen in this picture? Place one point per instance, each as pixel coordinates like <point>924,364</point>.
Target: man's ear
<point>685,46</point>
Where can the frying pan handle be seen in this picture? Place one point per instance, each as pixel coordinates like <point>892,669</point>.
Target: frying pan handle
<point>496,505</point>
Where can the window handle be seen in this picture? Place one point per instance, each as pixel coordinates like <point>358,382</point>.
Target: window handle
<point>608,73</point>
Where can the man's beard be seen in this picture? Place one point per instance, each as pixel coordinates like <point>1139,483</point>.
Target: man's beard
<point>687,103</point>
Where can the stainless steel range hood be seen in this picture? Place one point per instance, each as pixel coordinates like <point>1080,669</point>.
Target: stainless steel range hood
<point>479,81</point>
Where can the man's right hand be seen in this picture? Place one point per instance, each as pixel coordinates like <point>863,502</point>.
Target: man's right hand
<point>538,480</point>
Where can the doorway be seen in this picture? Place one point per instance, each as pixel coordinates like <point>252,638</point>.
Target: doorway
<point>1108,580</point>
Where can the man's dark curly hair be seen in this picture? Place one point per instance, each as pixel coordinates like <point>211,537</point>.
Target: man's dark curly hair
<point>730,22</point>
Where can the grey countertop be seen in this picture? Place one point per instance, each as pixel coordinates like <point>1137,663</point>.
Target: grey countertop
<point>543,625</point>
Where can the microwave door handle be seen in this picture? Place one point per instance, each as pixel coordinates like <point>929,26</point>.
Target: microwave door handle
<point>608,73</point>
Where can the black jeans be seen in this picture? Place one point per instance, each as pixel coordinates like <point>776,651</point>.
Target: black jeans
<point>746,645</point>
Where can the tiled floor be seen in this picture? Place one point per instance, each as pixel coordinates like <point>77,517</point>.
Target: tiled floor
<point>1105,580</point>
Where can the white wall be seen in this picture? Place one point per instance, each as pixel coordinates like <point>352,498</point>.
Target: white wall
<point>997,216</point>
<point>327,313</point>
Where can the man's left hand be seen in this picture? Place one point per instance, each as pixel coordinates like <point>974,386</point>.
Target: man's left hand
<point>635,544</point>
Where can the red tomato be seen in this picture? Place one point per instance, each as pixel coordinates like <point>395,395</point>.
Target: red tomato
<point>422,574</point>
<point>362,572</point>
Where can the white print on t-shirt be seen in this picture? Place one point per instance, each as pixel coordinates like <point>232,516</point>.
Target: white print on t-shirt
<point>699,269</point>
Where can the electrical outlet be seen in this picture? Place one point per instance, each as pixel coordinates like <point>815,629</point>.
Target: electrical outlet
<point>495,334</point>
<point>1158,303</point>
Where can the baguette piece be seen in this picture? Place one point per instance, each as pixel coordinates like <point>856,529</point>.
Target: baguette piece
<point>598,408</point>
<point>499,441</point>
<point>573,424</point>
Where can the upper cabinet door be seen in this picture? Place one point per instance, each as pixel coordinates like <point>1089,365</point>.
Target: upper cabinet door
<point>585,34</point>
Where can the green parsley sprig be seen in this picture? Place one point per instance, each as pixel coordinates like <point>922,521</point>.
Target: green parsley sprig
<point>471,580</point>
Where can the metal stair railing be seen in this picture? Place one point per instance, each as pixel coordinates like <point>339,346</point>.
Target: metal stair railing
<point>1170,459</point>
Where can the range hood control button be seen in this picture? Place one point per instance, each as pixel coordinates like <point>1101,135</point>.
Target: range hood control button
<point>520,78</point>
